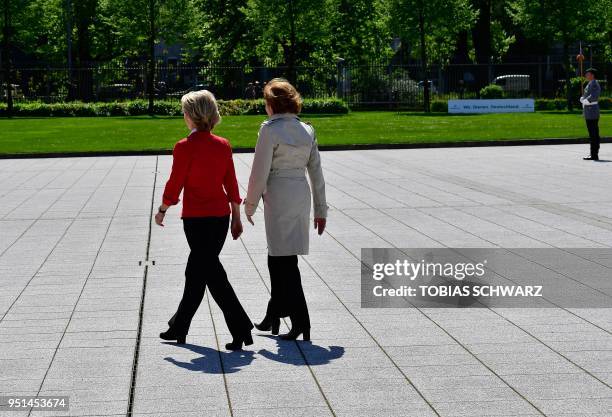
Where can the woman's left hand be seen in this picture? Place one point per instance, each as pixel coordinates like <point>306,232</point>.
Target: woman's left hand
<point>236,228</point>
<point>319,224</point>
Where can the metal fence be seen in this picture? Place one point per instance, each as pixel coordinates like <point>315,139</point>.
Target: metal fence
<point>375,85</point>
<point>54,84</point>
<point>403,85</point>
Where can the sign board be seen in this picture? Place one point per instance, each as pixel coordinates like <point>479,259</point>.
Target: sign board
<point>509,105</point>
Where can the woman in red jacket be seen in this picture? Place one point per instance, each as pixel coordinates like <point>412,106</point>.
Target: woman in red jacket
<point>203,166</point>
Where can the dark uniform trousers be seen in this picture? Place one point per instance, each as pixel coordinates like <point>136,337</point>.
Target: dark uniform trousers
<point>593,128</point>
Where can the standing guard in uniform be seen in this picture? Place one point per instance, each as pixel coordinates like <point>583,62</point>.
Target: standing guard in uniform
<point>591,112</point>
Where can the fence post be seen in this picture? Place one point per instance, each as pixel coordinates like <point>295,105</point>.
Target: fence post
<point>340,79</point>
<point>540,78</point>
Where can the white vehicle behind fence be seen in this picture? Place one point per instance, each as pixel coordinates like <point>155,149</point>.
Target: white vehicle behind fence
<point>514,83</point>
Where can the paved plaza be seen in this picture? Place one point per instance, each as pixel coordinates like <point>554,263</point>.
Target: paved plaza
<point>87,284</point>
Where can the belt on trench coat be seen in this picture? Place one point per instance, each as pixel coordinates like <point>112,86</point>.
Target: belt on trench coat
<point>288,173</point>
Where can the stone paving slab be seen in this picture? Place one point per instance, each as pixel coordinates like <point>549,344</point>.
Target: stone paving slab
<point>76,253</point>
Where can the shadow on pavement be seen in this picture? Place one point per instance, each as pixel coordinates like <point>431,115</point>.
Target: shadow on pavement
<point>315,355</point>
<point>234,361</point>
<point>209,361</point>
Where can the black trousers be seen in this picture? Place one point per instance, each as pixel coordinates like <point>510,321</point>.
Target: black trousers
<point>206,236</point>
<point>593,127</point>
<point>287,297</point>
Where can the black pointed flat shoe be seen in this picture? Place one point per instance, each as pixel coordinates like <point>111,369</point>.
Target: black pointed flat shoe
<point>170,336</point>
<point>236,344</point>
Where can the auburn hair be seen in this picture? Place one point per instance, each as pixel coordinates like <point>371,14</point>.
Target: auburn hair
<point>282,97</point>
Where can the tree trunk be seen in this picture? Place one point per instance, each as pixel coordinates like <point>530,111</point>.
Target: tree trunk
<point>85,11</point>
<point>71,84</point>
<point>292,45</point>
<point>462,51</point>
<point>481,33</point>
<point>481,37</point>
<point>151,69</point>
<point>7,58</point>
<point>426,99</point>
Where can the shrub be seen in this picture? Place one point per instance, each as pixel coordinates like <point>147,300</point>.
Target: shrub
<point>550,104</point>
<point>324,106</point>
<point>162,107</point>
<point>439,106</point>
<point>492,91</point>
<point>561,103</point>
<point>605,103</point>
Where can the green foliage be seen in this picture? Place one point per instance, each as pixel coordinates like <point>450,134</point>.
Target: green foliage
<point>567,21</point>
<point>605,103</point>
<point>359,31</point>
<point>492,91</point>
<point>293,32</point>
<point>575,84</point>
<point>223,22</point>
<point>162,108</point>
<point>312,33</point>
<point>550,104</point>
<point>324,106</point>
<point>439,106</point>
<point>443,21</point>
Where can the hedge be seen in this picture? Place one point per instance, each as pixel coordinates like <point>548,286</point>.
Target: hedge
<point>162,108</point>
<point>561,103</point>
<point>438,106</point>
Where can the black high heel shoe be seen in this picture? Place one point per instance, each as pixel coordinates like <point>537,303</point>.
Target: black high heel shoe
<point>269,325</point>
<point>295,332</point>
<point>169,335</point>
<point>236,344</point>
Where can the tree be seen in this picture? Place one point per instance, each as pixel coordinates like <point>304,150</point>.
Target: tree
<point>291,32</point>
<point>566,21</point>
<point>84,15</point>
<point>137,25</point>
<point>433,26</point>
<point>489,39</point>
<point>6,60</point>
<point>14,12</point>
<point>220,32</point>
<point>359,32</point>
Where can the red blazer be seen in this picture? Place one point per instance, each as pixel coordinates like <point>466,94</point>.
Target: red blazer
<point>202,166</point>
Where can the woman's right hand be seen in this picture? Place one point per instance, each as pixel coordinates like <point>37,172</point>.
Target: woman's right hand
<point>246,213</point>
<point>159,218</point>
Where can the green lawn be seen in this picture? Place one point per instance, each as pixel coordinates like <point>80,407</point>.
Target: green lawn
<point>71,134</point>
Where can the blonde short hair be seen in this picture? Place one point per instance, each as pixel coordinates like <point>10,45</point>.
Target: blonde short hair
<point>201,107</point>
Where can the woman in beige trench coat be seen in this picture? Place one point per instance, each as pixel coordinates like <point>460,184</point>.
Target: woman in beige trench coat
<point>286,148</point>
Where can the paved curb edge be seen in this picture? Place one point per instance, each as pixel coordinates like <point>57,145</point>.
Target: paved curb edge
<point>463,144</point>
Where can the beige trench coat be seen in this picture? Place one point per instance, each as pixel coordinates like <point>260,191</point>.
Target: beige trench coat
<point>286,148</point>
